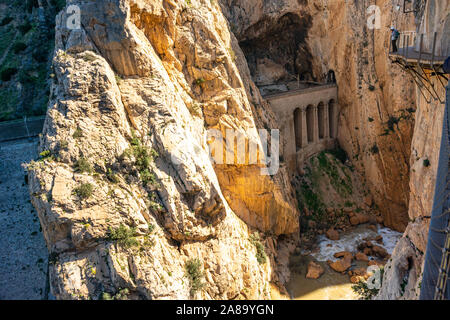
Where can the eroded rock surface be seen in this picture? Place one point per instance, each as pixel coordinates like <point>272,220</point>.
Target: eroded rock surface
<point>133,93</point>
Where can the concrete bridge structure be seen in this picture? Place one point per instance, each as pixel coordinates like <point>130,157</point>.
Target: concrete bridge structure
<point>308,121</point>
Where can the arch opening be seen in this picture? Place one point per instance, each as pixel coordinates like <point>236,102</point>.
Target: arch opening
<point>298,128</point>
<point>310,123</point>
<point>331,118</point>
<point>321,118</point>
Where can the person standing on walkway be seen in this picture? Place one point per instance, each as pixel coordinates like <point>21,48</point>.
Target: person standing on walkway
<point>394,37</point>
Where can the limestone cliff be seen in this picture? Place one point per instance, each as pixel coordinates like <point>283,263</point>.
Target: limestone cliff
<point>133,89</point>
<point>306,39</point>
<point>404,272</point>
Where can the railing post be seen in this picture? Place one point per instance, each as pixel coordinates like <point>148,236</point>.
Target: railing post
<point>407,48</point>
<point>434,49</point>
<point>421,46</point>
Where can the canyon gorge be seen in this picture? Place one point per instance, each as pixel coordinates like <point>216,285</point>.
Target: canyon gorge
<point>131,204</point>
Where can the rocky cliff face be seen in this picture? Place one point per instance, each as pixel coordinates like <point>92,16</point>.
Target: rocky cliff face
<point>376,100</point>
<point>404,272</point>
<point>133,89</point>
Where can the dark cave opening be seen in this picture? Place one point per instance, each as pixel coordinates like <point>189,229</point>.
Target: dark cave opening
<point>279,46</point>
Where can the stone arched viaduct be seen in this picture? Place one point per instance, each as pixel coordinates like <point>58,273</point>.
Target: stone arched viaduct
<point>308,121</point>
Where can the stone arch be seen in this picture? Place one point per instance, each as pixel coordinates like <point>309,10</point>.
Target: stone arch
<point>298,128</point>
<point>321,119</point>
<point>332,117</point>
<point>310,122</point>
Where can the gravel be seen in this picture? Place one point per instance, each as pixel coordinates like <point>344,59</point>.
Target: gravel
<point>23,254</point>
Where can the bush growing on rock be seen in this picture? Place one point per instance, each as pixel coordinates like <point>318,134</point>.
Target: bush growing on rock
<point>124,236</point>
<point>82,165</point>
<point>143,156</point>
<point>260,252</point>
<point>84,191</point>
<point>362,289</point>
<point>194,274</point>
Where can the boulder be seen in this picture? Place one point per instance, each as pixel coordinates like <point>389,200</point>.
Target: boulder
<point>368,200</point>
<point>343,264</point>
<point>361,257</point>
<point>359,218</point>
<point>332,234</point>
<point>343,254</point>
<point>379,239</point>
<point>315,270</point>
<point>379,252</point>
<point>355,279</point>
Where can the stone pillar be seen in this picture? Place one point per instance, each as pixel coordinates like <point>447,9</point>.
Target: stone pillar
<point>326,119</point>
<point>304,128</point>
<point>291,149</point>
<point>316,124</point>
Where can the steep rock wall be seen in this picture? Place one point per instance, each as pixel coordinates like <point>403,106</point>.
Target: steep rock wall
<point>135,88</point>
<point>376,99</point>
<point>403,274</point>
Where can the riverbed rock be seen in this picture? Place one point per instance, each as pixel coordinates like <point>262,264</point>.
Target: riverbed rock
<point>315,270</point>
<point>379,251</point>
<point>148,79</point>
<point>379,239</point>
<point>343,254</point>
<point>359,256</point>
<point>359,218</point>
<point>332,234</point>
<point>342,264</point>
<point>355,279</point>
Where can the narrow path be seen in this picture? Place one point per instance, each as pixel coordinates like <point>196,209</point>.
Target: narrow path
<point>23,254</point>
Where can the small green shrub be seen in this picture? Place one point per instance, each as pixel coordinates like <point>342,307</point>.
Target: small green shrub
<point>77,134</point>
<point>121,295</point>
<point>63,145</point>
<point>374,149</point>
<point>111,176</point>
<point>46,155</point>
<point>5,21</point>
<point>391,122</point>
<point>88,57</point>
<point>82,165</point>
<point>260,252</point>
<point>199,81</point>
<point>8,73</point>
<point>426,163</point>
<point>124,236</point>
<point>19,47</point>
<point>370,119</point>
<point>84,191</point>
<point>143,158</point>
<point>194,274</point>
<point>361,289</point>
<point>24,28</point>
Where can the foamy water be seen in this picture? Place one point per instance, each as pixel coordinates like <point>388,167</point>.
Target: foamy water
<point>349,241</point>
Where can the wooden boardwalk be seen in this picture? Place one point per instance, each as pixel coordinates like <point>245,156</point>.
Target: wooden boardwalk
<point>410,55</point>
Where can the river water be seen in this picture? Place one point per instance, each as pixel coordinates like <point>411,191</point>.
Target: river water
<point>333,285</point>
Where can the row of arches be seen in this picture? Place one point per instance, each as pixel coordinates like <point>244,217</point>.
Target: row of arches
<point>315,122</point>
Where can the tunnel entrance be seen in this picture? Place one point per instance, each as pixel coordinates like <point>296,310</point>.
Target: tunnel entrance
<point>276,50</point>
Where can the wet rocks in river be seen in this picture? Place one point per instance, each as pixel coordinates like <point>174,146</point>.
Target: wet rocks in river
<point>358,218</point>
<point>332,234</point>
<point>379,239</point>
<point>315,270</point>
<point>361,257</point>
<point>342,264</point>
